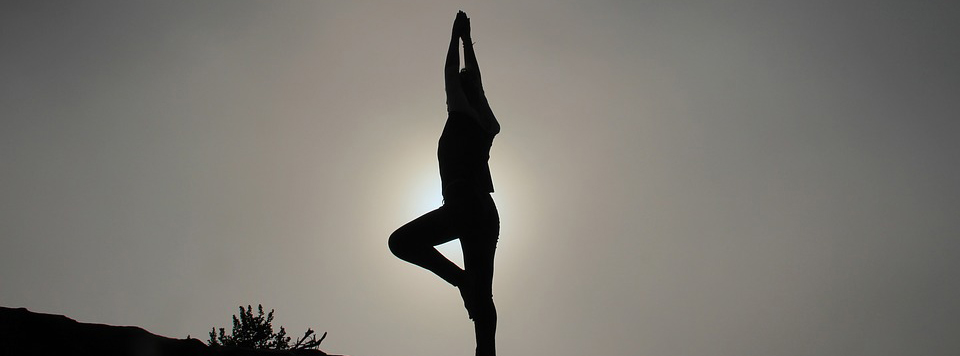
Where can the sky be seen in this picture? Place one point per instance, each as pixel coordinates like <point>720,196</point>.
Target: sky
<point>673,177</point>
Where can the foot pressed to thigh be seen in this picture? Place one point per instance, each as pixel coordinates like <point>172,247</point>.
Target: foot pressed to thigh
<point>468,289</point>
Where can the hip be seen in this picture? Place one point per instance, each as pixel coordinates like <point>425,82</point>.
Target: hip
<point>470,204</point>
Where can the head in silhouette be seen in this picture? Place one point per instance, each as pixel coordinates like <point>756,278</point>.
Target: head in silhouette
<point>470,84</point>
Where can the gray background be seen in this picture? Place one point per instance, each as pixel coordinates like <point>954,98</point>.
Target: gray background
<point>674,178</point>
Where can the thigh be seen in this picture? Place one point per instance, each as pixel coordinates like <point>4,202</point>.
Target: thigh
<point>479,243</point>
<point>433,228</point>
<point>478,256</point>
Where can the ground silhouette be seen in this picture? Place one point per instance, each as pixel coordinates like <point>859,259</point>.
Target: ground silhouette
<point>23,332</point>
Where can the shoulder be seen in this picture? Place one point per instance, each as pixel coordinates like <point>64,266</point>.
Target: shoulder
<point>486,123</point>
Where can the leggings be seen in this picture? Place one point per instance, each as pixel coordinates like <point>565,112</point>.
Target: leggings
<point>472,218</point>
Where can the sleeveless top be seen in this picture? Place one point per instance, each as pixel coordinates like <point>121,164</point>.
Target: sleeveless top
<point>463,152</point>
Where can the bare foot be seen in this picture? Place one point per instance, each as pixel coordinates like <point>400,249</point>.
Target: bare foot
<point>467,287</point>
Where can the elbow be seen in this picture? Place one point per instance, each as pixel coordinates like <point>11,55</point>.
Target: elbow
<point>451,70</point>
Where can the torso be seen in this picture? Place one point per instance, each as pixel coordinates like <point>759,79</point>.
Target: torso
<point>463,152</point>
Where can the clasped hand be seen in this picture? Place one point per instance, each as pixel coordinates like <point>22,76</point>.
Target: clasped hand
<point>461,26</point>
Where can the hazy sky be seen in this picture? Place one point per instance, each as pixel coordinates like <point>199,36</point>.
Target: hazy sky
<point>674,178</point>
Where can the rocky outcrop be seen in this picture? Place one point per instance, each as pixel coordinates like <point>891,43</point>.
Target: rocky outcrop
<point>23,332</point>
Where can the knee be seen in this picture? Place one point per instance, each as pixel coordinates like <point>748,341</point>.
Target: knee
<point>485,311</point>
<point>396,244</point>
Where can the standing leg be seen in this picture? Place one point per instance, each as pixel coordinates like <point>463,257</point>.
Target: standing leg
<point>415,241</point>
<point>479,247</point>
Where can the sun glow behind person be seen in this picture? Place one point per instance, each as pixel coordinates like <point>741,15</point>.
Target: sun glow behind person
<point>416,190</point>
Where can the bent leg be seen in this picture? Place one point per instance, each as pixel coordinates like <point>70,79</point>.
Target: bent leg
<point>414,242</point>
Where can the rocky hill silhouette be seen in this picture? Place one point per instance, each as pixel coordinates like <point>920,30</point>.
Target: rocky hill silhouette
<point>23,332</point>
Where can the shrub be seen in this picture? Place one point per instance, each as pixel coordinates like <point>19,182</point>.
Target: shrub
<point>256,332</point>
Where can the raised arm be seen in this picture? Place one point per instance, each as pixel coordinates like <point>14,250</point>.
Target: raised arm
<point>469,56</point>
<point>456,99</point>
<point>487,119</point>
<point>452,65</point>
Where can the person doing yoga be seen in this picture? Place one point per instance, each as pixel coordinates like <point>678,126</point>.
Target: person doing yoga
<point>468,211</point>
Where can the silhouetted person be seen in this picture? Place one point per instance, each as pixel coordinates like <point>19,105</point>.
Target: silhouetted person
<point>468,212</point>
